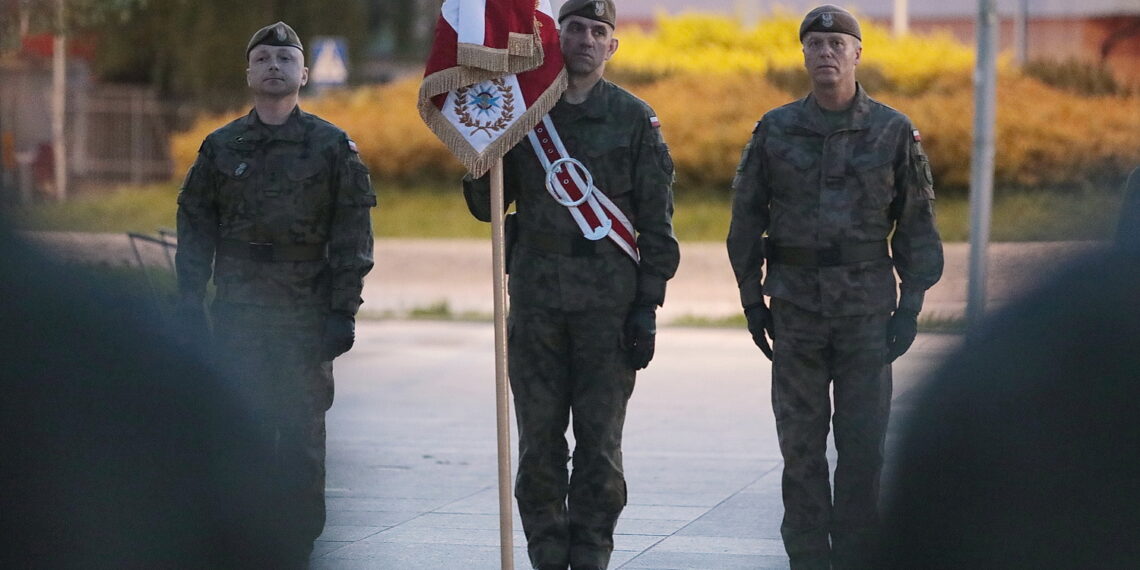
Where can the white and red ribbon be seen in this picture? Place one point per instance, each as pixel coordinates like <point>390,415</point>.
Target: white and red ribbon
<point>572,184</point>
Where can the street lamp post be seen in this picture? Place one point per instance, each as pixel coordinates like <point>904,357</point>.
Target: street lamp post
<point>901,20</point>
<point>982,165</point>
<point>59,100</point>
<point>1021,32</point>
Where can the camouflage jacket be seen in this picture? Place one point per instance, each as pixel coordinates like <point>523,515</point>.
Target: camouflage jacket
<point>806,184</point>
<point>298,183</point>
<point>617,138</point>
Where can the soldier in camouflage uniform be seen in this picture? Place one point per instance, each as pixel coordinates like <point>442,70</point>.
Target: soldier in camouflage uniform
<point>276,210</point>
<point>582,316</point>
<point>827,179</point>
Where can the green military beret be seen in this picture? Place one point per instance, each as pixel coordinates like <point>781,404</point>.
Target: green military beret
<point>830,18</point>
<point>600,10</point>
<point>279,34</point>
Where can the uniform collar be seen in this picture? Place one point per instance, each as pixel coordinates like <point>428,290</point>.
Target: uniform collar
<point>812,117</point>
<point>293,129</point>
<point>596,103</point>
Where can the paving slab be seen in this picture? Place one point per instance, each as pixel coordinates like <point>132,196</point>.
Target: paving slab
<point>412,461</point>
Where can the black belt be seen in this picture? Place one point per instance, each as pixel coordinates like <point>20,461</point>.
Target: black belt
<point>839,254</point>
<point>261,251</point>
<point>575,246</point>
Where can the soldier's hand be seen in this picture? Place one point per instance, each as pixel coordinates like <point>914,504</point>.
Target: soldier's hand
<point>640,334</point>
<point>477,194</point>
<point>338,336</point>
<point>760,321</point>
<point>901,330</point>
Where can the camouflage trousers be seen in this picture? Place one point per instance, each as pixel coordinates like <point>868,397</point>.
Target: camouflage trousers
<point>565,364</point>
<point>814,355</point>
<point>273,356</point>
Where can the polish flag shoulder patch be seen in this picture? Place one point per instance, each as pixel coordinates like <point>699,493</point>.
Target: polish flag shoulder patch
<point>917,135</point>
<point>656,123</point>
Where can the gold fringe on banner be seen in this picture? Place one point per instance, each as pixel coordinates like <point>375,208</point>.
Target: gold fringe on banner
<point>503,62</point>
<point>479,163</point>
<point>522,54</point>
<point>524,45</point>
<point>453,78</point>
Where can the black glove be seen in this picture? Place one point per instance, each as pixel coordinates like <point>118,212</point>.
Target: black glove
<point>190,323</point>
<point>640,334</point>
<point>760,320</point>
<point>901,330</point>
<point>338,336</point>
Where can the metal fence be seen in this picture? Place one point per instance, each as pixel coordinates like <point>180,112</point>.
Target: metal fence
<point>114,133</point>
<point>120,134</point>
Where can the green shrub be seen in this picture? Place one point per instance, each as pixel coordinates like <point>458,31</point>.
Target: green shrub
<point>1081,77</point>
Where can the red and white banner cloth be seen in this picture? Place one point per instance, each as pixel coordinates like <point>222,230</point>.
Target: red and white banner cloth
<point>569,182</point>
<point>494,71</point>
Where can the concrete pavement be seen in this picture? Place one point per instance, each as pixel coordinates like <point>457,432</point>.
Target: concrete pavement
<point>412,459</point>
<point>412,478</point>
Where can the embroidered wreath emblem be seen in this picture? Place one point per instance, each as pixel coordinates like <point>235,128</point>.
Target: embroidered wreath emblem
<point>492,98</point>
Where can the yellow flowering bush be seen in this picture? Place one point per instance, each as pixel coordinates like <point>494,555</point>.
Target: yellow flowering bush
<point>914,64</point>
<point>709,44</point>
<point>383,121</point>
<point>393,140</point>
<point>710,80</point>
<point>1044,137</point>
<point>706,123</point>
<point>703,43</point>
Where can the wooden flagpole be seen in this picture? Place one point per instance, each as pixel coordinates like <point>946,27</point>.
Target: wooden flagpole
<point>502,386</point>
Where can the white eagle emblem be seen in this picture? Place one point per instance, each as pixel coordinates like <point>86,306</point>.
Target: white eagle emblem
<point>599,8</point>
<point>827,20</point>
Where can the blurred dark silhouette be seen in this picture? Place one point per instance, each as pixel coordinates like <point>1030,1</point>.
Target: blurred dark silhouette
<point>1024,449</point>
<point>1128,229</point>
<point>120,447</point>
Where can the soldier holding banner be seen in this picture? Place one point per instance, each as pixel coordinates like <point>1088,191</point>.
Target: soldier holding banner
<point>822,185</point>
<point>594,248</point>
<point>276,211</point>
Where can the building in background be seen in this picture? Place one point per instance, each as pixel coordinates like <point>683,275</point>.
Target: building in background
<point>115,133</point>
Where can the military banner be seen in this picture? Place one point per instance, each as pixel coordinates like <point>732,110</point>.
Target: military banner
<point>495,69</point>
